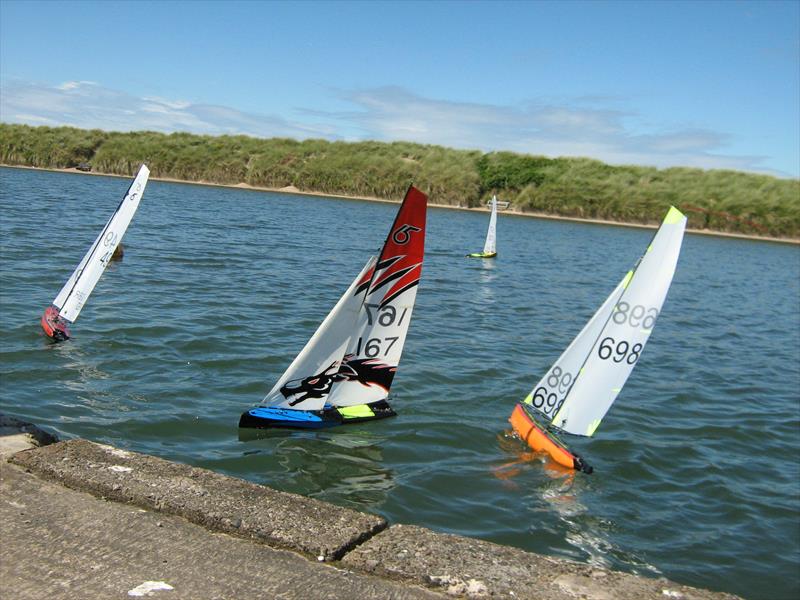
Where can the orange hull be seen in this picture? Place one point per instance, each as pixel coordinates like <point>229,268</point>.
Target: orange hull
<point>536,436</point>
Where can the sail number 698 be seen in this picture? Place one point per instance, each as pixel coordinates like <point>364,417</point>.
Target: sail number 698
<point>620,351</point>
<point>635,316</point>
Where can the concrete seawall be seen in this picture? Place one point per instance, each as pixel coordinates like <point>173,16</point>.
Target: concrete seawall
<point>84,520</point>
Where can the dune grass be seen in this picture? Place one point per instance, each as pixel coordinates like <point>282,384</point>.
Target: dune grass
<point>719,200</point>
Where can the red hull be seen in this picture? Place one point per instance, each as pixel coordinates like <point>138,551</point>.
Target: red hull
<point>54,326</point>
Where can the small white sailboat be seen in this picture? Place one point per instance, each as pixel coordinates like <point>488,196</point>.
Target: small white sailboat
<point>580,387</point>
<point>345,371</point>
<point>70,300</point>
<point>490,246</point>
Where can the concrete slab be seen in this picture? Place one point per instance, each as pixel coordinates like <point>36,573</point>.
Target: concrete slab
<point>58,543</point>
<point>69,543</point>
<point>16,435</point>
<point>217,502</point>
<point>475,568</point>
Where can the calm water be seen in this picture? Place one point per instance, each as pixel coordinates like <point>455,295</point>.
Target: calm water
<point>697,466</point>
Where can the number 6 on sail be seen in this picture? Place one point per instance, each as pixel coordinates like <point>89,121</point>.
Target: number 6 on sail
<point>344,372</point>
<point>577,391</point>
<point>70,300</point>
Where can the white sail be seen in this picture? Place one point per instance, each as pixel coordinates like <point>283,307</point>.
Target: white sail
<point>549,393</point>
<point>490,247</point>
<point>79,286</point>
<point>617,347</point>
<point>307,382</point>
<point>374,351</point>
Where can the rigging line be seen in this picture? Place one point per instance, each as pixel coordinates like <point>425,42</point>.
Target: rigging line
<point>602,329</point>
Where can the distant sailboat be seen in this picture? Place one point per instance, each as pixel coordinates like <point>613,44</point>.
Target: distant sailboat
<point>490,246</point>
<point>70,300</point>
<point>577,391</point>
<point>345,371</point>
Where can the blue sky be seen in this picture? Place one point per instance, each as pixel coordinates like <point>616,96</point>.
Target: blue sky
<point>698,84</point>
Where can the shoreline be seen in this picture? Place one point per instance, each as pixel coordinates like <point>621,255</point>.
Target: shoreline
<point>97,502</point>
<point>513,212</point>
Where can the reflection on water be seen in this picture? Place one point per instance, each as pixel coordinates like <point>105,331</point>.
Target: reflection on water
<point>511,444</point>
<point>345,467</point>
<point>486,277</point>
<point>79,360</point>
<point>559,495</point>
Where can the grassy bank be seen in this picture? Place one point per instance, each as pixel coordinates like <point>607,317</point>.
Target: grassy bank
<point>727,201</point>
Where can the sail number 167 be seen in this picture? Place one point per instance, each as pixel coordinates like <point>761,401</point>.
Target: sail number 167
<point>385,315</point>
<point>373,346</point>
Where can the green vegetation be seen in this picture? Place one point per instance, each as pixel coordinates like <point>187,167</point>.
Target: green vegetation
<point>728,201</point>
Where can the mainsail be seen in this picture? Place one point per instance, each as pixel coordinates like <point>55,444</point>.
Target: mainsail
<point>548,395</point>
<point>490,247</point>
<point>374,350</point>
<point>73,295</point>
<point>581,386</point>
<point>307,382</point>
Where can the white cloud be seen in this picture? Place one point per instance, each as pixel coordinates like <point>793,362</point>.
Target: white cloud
<point>74,85</point>
<point>88,105</point>
<point>585,127</point>
<point>176,104</point>
<point>35,120</point>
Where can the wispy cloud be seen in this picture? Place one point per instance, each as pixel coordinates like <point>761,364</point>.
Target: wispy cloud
<point>587,127</point>
<point>89,105</point>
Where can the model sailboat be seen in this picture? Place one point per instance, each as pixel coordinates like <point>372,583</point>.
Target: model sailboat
<point>70,300</point>
<point>577,391</point>
<point>490,246</point>
<point>345,371</point>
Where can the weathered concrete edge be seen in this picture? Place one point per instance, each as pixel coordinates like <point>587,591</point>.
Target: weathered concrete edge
<point>212,500</point>
<point>472,567</point>
<point>17,435</point>
<point>415,555</point>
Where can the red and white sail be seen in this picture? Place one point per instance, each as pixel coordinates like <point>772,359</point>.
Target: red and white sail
<point>352,357</point>
<point>374,350</point>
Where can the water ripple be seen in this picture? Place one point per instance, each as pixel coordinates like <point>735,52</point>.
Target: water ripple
<point>697,465</point>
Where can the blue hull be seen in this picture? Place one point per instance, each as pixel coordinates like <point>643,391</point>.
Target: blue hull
<point>264,417</point>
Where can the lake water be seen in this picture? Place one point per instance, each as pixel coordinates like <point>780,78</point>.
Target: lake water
<point>697,466</point>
